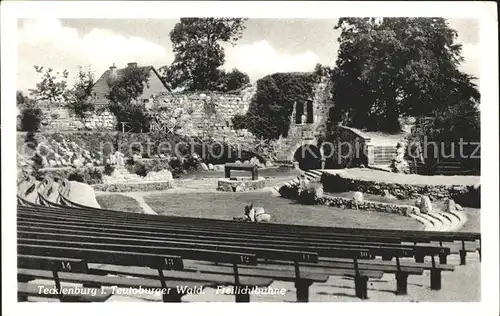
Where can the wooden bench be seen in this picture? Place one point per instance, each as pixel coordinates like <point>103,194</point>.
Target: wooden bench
<point>241,166</point>
<point>154,261</point>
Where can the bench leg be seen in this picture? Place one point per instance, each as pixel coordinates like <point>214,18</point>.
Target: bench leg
<point>443,259</point>
<point>463,255</point>
<point>435,279</point>
<point>401,283</point>
<point>419,258</point>
<point>22,297</point>
<point>242,297</point>
<point>302,287</point>
<point>361,287</point>
<point>172,296</point>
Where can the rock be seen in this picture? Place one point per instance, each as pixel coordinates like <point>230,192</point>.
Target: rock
<point>255,161</point>
<point>237,161</point>
<point>451,206</point>
<point>425,204</point>
<point>89,165</point>
<point>358,197</point>
<point>240,187</point>
<point>389,196</point>
<point>204,166</point>
<point>210,167</point>
<point>246,162</point>
<point>459,207</point>
<point>52,163</point>
<point>162,156</point>
<point>268,164</point>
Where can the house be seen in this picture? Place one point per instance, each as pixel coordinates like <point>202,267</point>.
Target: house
<point>154,87</point>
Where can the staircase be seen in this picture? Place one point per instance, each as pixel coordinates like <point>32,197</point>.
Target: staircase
<point>383,156</point>
<point>311,175</point>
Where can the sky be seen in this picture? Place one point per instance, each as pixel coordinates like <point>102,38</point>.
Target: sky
<point>267,46</point>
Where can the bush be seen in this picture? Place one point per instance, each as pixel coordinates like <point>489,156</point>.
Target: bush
<point>30,119</point>
<point>310,194</point>
<point>108,169</point>
<point>87,175</point>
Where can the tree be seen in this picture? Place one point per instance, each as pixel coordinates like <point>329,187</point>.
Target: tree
<point>52,86</point>
<point>123,95</point>
<point>198,51</point>
<point>396,66</point>
<point>80,99</point>
<point>270,110</point>
<point>234,80</point>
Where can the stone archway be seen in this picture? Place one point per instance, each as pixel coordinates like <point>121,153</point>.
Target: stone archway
<point>308,156</point>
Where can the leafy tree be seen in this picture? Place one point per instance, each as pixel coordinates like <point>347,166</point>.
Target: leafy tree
<point>123,95</point>
<point>199,53</point>
<point>234,80</point>
<point>269,112</point>
<point>396,66</point>
<point>52,86</point>
<point>80,99</point>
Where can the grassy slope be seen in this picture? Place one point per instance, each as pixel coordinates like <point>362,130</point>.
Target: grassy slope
<point>229,205</point>
<point>119,202</point>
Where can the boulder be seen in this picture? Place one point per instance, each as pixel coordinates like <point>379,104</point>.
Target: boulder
<point>89,165</point>
<point>451,206</point>
<point>52,163</point>
<point>389,196</point>
<point>358,197</point>
<point>458,207</point>
<point>425,204</point>
<point>237,161</point>
<point>246,162</point>
<point>269,164</point>
<point>203,166</point>
<point>210,167</point>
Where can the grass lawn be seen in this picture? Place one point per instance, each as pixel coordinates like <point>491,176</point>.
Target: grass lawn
<point>222,205</point>
<point>119,202</point>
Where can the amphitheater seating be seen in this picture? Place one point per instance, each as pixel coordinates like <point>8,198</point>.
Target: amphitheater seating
<point>165,251</point>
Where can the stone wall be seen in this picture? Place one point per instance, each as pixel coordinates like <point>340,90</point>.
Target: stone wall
<point>58,118</point>
<point>465,195</point>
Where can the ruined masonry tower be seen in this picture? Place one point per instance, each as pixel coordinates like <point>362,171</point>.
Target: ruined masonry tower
<point>308,121</point>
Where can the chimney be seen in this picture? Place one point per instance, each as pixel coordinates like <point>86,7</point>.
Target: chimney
<point>113,71</point>
<point>130,65</point>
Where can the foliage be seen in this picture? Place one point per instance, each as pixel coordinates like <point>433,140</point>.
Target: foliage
<point>52,86</point>
<point>239,121</point>
<point>86,175</point>
<point>199,53</point>
<point>126,88</point>
<point>123,95</point>
<point>234,80</point>
<point>397,66</point>
<point>270,109</point>
<point>30,118</point>
<point>80,99</point>
<point>109,169</point>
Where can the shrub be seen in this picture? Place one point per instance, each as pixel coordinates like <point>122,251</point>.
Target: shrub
<point>30,119</point>
<point>108,169</point>
<point>269,112</point>
<point>310,194</point>
<point>87,175</point>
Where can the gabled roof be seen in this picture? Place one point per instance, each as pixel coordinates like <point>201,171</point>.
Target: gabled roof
<point>101,87</point>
